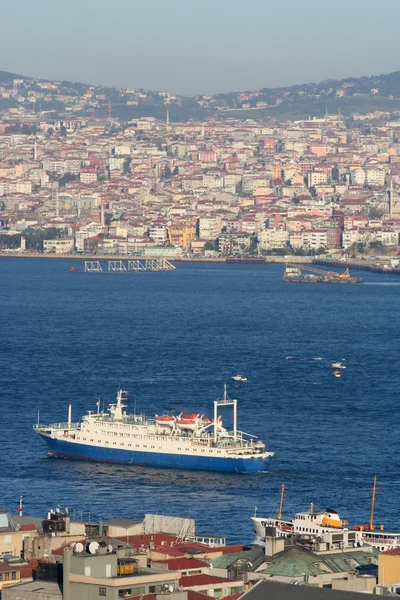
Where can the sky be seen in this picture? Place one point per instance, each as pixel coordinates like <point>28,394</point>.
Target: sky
<point>199,47</point>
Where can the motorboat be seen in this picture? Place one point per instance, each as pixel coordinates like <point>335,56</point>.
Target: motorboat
<point>338,365</point>
<point>239,378</point>
<point>336,374</point>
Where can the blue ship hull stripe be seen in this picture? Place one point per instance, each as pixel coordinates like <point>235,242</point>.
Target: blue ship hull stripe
<point>72,450</point>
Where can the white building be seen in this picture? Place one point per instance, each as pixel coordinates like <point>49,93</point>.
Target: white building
<point>317,177</point>
<point>376,176</point>
<point>272,239</point>
<point>210,227</point>
<point>63,246</point>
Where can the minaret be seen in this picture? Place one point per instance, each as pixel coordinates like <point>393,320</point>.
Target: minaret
<point>102,221</point>
<point>167,118</point>
<point>35,150</point>
<point>79,202</point>
<point>391,197</point>
<point>57,205</point>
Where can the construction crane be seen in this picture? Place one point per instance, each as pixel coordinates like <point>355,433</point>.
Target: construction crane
<point>108,106</point>
<point>345,275</point>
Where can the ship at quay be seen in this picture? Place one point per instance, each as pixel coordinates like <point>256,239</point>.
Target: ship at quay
<point>185,441</point>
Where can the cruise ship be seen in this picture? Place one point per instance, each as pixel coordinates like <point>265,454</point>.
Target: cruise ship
<point>184,441</point>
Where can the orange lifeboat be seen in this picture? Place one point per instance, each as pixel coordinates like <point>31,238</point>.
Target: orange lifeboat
<point>165,420</point>
<point>185,421</point>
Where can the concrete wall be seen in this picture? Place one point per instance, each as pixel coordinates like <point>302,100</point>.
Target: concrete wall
<point>50,591</point>
<point>388,568</point>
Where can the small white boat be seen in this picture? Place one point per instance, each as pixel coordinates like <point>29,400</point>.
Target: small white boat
<point>338,365</point>
<point>336,374</point>
<point>239,378</point>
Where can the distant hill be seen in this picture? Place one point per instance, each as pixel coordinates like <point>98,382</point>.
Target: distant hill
<point>349,95</point>
<point>6,77</point>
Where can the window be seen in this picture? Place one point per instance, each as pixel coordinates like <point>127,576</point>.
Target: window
<point>102,591</point>
<point>88,571</point>
<point>108,570</point>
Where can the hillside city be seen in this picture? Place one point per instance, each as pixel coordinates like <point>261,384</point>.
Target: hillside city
<point>100,185</point>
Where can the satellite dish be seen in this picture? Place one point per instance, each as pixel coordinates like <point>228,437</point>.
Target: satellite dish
<point>78,547</point>
<point>93,547</point>
<point>171,588</point>
<point>109,548</point>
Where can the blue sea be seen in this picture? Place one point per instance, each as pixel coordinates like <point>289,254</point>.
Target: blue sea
<point>172,340</point>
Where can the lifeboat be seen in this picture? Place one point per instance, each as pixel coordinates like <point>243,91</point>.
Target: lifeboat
<point>165,420</point>
<point>186,424</point>
<point>208,421</point>
<point>186,417</point>
<point>186,421</point>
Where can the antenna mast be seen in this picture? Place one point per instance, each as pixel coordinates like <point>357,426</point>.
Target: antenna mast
<point>371,519</point>
<point>281,502</point>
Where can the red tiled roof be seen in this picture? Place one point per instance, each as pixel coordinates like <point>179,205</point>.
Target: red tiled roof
<point>233,596</point>
<point>194,580</point>
<point>178,564</point>
<point>394,552</point>
<point>6,568</point>
<point>193,595</point>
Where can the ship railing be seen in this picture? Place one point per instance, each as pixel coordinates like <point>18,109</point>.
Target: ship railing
<point>60,426</point>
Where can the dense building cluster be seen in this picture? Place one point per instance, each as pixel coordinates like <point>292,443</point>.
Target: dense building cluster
<point>214,188</point>
<point>164,558</point>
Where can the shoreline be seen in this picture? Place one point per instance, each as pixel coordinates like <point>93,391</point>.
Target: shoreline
<point>263,261</point>
<point>267,260</point>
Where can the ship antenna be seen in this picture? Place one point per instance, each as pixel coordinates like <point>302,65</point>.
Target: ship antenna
<point>281,502</point>
<point>371,519</point>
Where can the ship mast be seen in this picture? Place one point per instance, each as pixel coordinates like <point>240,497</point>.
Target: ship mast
<point>225,402</point>
<point>281,502</point>
<point>371,518</point>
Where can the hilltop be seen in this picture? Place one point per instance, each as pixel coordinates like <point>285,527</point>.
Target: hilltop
<point>350,95</point>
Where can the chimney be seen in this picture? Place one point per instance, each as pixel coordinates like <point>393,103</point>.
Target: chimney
<point>273,543</point>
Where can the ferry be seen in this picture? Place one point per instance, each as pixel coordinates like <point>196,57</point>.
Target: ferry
<point>185,441</point>
<point>316,523</point>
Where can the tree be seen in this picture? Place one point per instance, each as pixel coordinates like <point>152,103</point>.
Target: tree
<point>375,213</point>
<point>126,166</point>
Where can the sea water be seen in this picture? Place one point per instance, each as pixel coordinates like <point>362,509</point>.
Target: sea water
<point>172,340</point>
